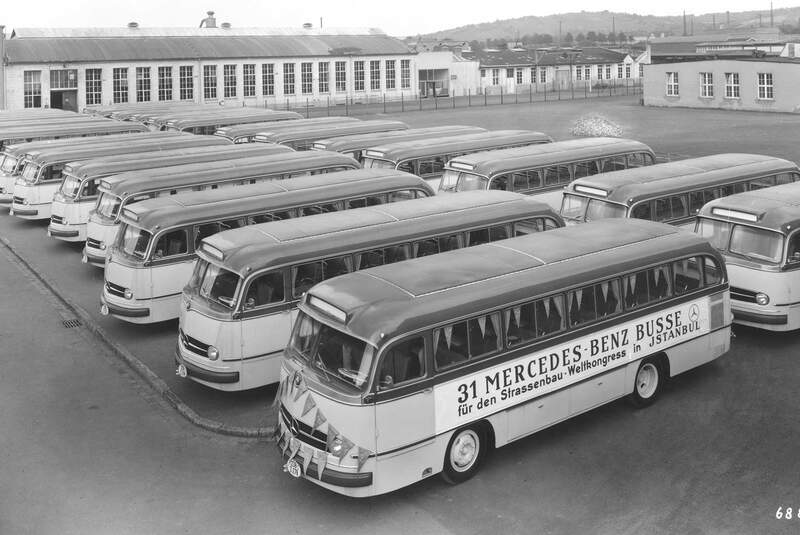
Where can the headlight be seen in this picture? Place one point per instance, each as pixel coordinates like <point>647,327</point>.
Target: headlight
<point>762,299</point>
<point>25,202</point>
<point>128,294</point>
<point>212,353</point>
<point>103,245</point>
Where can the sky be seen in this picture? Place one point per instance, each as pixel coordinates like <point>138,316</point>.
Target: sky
<point>409,17</point>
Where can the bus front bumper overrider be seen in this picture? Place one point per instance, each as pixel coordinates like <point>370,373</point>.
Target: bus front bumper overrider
<point>764,319</point>
<point>336,478</point>
<point>116,310</point>
<point>55,233</point>
<point>196,372</point>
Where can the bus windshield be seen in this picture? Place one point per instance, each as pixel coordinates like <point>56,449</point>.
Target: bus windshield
<point>29,172</point>
<point>598,209</point>
<point>70,187</point>
<point>215,284</point>
<point>334,353</point>
<point>757,244</point>
<point>9,164</point>
<point>108,205</point>
<point>378,164</point>
<point>459,181</point>
<point>134,241</point>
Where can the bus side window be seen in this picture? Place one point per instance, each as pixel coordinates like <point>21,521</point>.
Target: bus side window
<point>549,315</point>
<point>616,163</point>
<point>396,253</point>
<point>686,277</point>
<point>642,211</point>
<point>520,324</point>
<point>499,183</point>
<point>484,335</point>
<point>264,290</point>
<point>679,208</point>
<point>54,172</point>
<point>761,183</point>
<point>425,247</point>
<point>261,218</point>
<point>696,201</point>
<point>407,166</point>
<point>204,231</point>
<point>606,295</point>
<point>356,203</point>
<point>662,210</point>
<point>401,195</point>
<point>638,159</point>
<point>90,188</point>
<point>305,276</point>
<point>499,232</point>
<point>582,169</point>
<point>369,259</point>
<point>786,178</point>
<point>636,289</point>
<point>231,224</point>
<point>658,281</point>
<point>477,237</point>
<point>374,200</point>
<point>404,362</point>
<point>549,223</point>
<point>333,267</point>
<point>172,244</point>
<point>450,343</point>
<point>529,226</point>
<point>712,271</point>
<point>581,305</point>
<point>449,243</point>
<point>793,249</point>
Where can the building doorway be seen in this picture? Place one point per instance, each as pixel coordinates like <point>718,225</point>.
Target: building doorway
<point>64,100</point>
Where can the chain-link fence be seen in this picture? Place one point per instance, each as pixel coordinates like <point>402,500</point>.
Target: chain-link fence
<point>497,95</point>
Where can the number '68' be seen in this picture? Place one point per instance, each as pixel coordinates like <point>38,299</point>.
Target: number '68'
<point>784,513</point>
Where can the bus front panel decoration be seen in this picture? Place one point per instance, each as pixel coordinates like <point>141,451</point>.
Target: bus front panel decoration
<point>241,301</point>
<point>672,192</point>
<point>395,374</point>
<point>758,232</point>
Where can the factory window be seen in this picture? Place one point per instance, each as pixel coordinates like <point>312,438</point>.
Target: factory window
<point>390,74</point>
<point>324,70</point>
<point>341,76</point>
<point>267,79</point>
<point>32,85</point>
<point>165,83</point>
<point>672,84</point>
<point>765,88</point>
<point>405,74</point>
<point>210,81</point>
<point>94,86</point>
<point>358,75</point>
<point>306,78</point>
<point>375,75</point>
<point>229,80</point>
<point>249,79</point>
<point>120,84</point>
<point>142,84</point>
<point>187,82</point>
<point>288,78</point>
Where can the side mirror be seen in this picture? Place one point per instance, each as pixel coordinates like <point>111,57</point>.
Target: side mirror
<point>249,303</point>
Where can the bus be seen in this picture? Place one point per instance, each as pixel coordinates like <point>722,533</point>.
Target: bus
<point>77,194</point>
<point>153,256</point>
<point>245,133</point>
<point>355,144</point>
<point>543,170</point>
<point>241,300</point>
<point>133,113</point>
<point>394,374</point>
<point>42,173</point>
<point>208,123</point>
<point>119,191</point>
<point>426,158</point>
<point>304,139</point>
<point>76,127</point>
<point>13,156</point>
<point>672,192</point>
<point>757,233</point>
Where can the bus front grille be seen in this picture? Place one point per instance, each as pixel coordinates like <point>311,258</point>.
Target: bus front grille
<point>303,432</point>
<point>115,289</point>
<point>91,242</point>
<point>194,345</point>
<point>18,200</point>
<point>743,295</point>
<point>57,219</point>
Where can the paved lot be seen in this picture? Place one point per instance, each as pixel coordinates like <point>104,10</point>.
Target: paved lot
<point>717,454</point>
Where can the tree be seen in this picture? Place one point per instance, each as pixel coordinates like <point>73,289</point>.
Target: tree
<point>475,45</point>
<point>568,39</point>
<point>580,38</point>
<point>601,37</point>
<point>591,37</point>
<point>622,38</point>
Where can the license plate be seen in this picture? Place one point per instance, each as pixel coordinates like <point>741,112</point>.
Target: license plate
<point>181,371</point>
<point>293,467</point>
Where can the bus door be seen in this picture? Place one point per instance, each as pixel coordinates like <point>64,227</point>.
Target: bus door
<point>404,404</point>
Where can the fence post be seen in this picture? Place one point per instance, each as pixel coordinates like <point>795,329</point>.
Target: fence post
<point>453,96</point>
<point>484,97</point>
<point>469,97</point>
<point>501,94</point>
<point>402,102</point>
<point>329,105</point>
<point>346,107</point>
<point>516,95</point>
<point>307,109</point>
<point>435,99</point>
<point>384,103</point>
<point>419,98</point>
<point>287,104</point>
<point>530,92</point>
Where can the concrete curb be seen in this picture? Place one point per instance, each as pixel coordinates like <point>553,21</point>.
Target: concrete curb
<point>154,381</point>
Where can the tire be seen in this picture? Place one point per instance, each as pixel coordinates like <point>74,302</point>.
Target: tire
<point>647,383</point>
<point>464,455</point>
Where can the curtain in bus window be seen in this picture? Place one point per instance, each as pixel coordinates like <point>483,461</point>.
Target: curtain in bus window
<point>581,305</point>
<point>396,253</point>
<point>583,169</point>
<point>662,210</point>
<point>696,201</point>
<point>426,247</point>
<point>636,289</point>
<point>529,226</point>
<point>785,178</point>
<point>483,335</point>
<point>171,244</point>
<point>403,362</point>
<point>374,200</point>
<point>204,231</point>
<point>356,203</point>
<point>686,275</point>
<point>401,195</point>
<point>369,259</point>
<point>448,243</point>
<point>498,233</point>
<point>521,325</point>
<point>678,206</point>
<point>616,163</point>
<point>451,345</point>
<point>606,297</point>
<point>305,276</point>
<point>549,315</point>
<point>659,282</point>
<point>638,159</point>
<point>265,289</point>
<point>478,237</point>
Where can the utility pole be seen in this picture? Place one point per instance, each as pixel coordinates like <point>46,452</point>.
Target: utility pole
<point>684,23</point>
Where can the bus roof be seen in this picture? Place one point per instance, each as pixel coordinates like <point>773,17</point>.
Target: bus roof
<point>490,163</point>
<point>279,161</point>
<point>380,303</point>
<point>208,152</point>
<point>775,208</point>
<point>129,112</point>
<point>177,210</point>
<point>250,129</point>
<point>90,126</point>
<point>250,115</point>
<point>271,244</point>
<point>631,185</point>
<point>466,142</point>
<point>331,130</point>
<point>361,141</point>
<point>30,146</point>
<point>140,142</point>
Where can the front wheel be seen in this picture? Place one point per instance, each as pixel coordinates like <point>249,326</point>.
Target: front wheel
<point>464,455</point>
<point>647,384</point>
